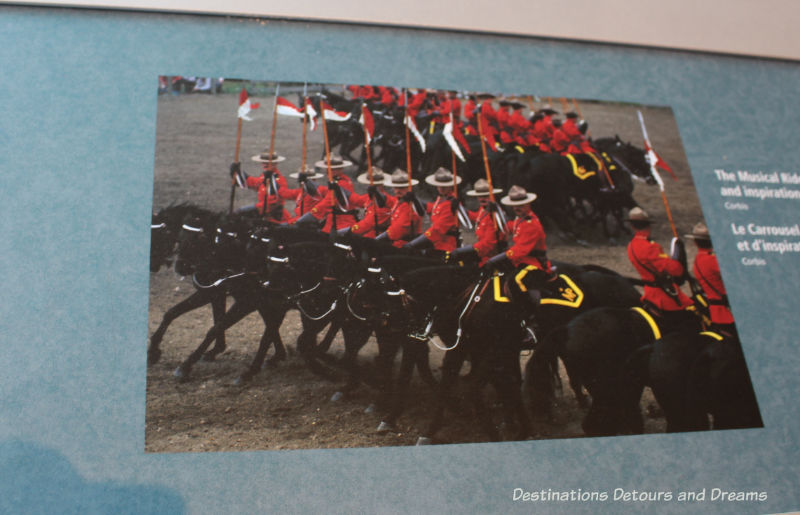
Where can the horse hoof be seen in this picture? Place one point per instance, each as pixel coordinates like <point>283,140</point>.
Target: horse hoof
<point>273,362</point>
<point>424,440</point>
<point>370,409</point>
<point>385,427</point>
<point>181,374</point>
<point>242,379</point>
<point>336,397</point>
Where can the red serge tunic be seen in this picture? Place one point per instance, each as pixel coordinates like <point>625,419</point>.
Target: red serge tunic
<point>405,224</point>
<point>529,243</point>
<point>648,257</point>
<point>366,226</point>
<point>706,269</point>
<point>303,201</point>
<point>256,182</point>
<point>486,234</point>
<point>324,208</point>
<point>444,224</point>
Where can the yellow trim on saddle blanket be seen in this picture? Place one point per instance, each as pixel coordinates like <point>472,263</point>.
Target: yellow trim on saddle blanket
<point>579,171</point>
<point>650,321</point>
<point>572,295</point>
<point>714,335</point>
<point>498,290</point>
<point>521,275</point>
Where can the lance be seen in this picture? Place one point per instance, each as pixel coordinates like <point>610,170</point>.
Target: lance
<point>408,143</point>
<point>235,160</point>
<point>265,205</point>
<point>462,215</point>
<point>497,224</point>
<point>330,171</point>
<point>578,110</point>
<point>305,145</point>
<point>531,104</point>
<point>369,165</point>
<point>564,105</point>
<point>652,159</point>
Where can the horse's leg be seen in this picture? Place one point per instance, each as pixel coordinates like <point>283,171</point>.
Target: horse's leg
<point>355,337</point>
<point>451,365</point>
<point>477,381</point>
<point>421,356</point>
<point>400,390</point>
<point>238,311</point>
<point>197,299</point>
<point>508,383</point>
<point>306,347</point>
<point>218,311</point>
<point>272,322</point>
<point>325,344</point>
<point>388,345</point>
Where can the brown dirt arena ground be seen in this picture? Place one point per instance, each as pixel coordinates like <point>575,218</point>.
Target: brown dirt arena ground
<point>288,407</point>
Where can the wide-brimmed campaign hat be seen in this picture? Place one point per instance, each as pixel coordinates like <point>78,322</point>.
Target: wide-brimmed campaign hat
<point>638,214</point>
<point>336,162</point>
<point>378,177</point>
<point>399,179</point>
<point>308,172</point>
<point>442,177</point>
<point>699,232</point>
<point>481,189</point>
<point>517,196</point>
<point>265,157</point>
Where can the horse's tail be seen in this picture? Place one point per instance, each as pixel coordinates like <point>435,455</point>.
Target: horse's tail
<point>541,371</point>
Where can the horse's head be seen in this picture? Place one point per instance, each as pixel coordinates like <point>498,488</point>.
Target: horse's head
<point>630,158</point>
<point>162,243</point>
<point>195,244</point>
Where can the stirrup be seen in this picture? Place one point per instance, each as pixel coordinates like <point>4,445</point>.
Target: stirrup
<point>425,334</point>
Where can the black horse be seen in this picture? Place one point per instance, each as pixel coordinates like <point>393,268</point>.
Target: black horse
<point>694,375</point>
<point>196,240</point>
<point>215,255</point>
<point>595,348</point>
<point>164,229</point>
<point>568,186</point>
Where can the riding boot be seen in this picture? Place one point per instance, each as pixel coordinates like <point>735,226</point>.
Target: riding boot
<point>530,324</point>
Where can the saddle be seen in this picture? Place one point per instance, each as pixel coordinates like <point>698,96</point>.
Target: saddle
<point>559,290</point>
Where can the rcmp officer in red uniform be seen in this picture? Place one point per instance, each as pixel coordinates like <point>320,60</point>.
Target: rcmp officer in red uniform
<point>270,187</point>
<point>308,194</point>
<point>486,231</point>
<point>706,271</point>
<point>335,208</point>
<point>527,254</point>
<point>404,222</point>
<point>378,206</point>
<point>662,296</point>
<point>443,232</point>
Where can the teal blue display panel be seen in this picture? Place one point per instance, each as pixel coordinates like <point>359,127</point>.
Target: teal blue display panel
<point>78,129</point>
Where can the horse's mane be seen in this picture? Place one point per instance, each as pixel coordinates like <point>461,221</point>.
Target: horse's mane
<point>438,284</point>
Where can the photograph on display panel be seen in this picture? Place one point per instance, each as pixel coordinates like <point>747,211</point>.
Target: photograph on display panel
<point>359,266</point>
